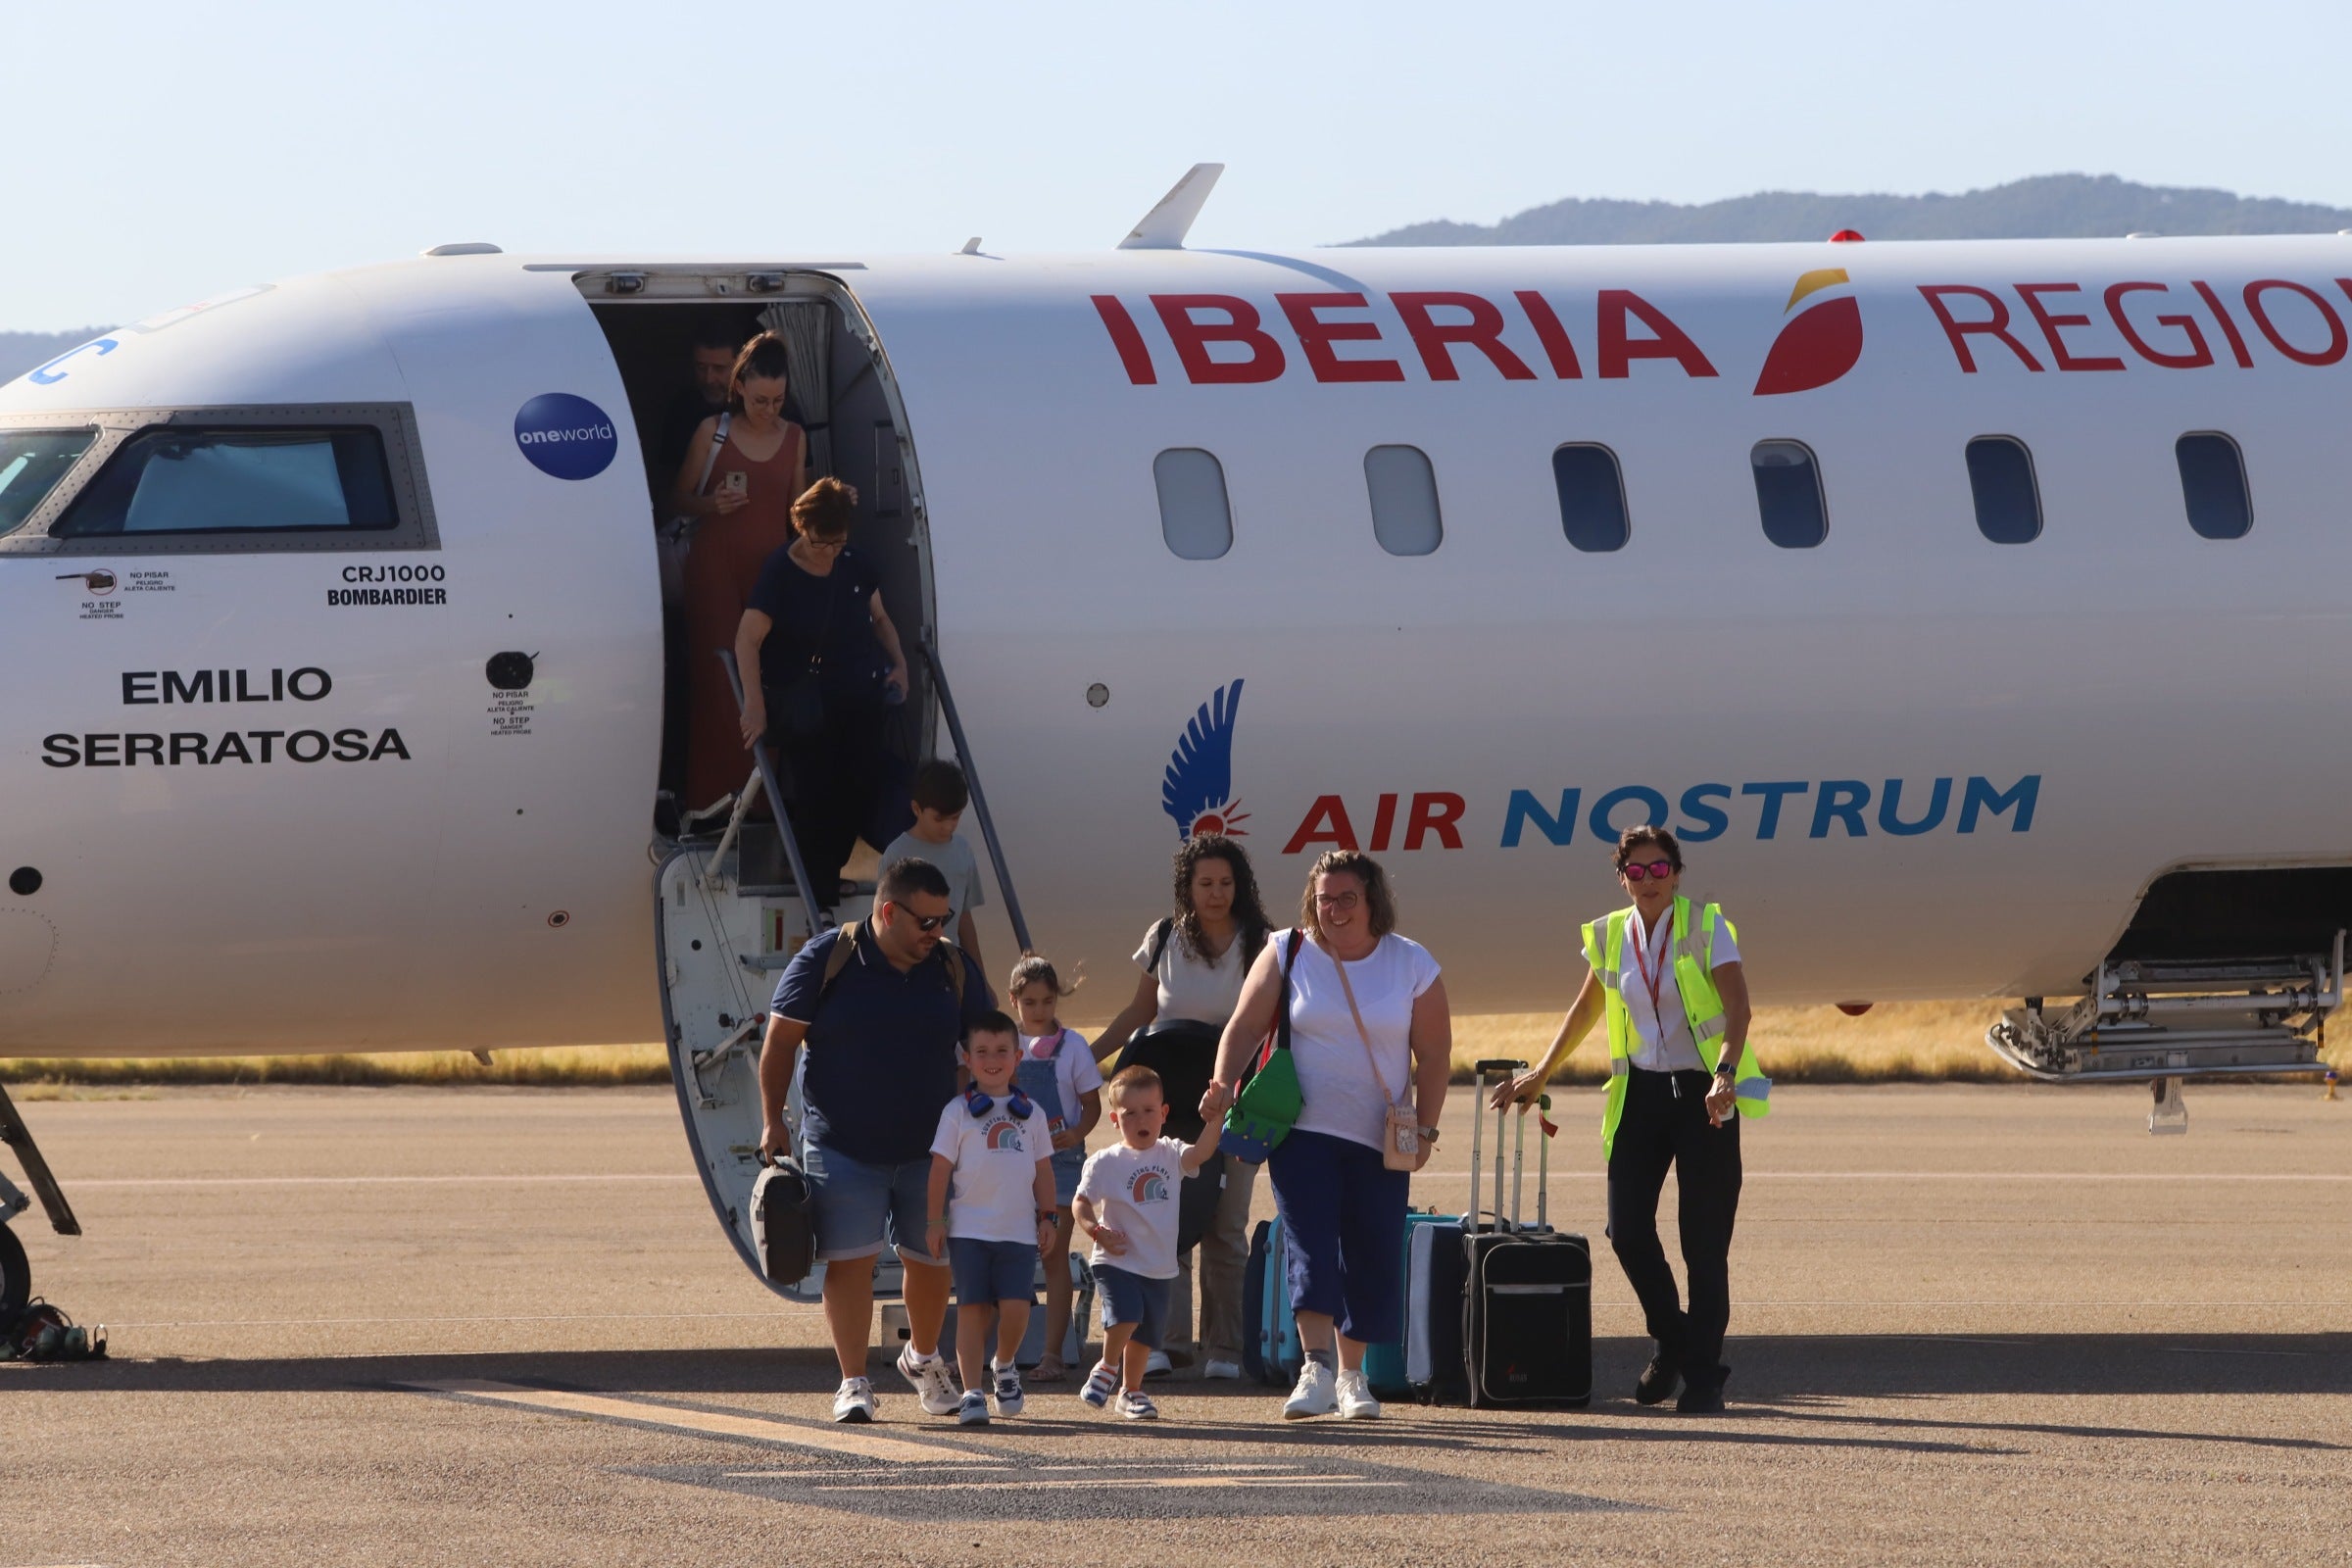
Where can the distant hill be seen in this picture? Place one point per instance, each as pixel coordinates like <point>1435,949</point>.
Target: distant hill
<point>22,351</point>
<point>2047,207</point>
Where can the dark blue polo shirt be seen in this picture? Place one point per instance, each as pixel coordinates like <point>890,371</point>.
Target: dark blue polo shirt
<point>881,1046</point>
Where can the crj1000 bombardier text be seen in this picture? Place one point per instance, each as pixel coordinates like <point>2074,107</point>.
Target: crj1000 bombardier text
<point>1968,608</point>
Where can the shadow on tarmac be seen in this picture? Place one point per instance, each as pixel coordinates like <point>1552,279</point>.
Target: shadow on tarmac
<point>1790,1376</point>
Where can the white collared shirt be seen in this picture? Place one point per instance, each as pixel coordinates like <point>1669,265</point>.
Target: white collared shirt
<point>1662,1039</point>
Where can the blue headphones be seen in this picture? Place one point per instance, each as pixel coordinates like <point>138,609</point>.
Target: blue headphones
<point>980,1104</point>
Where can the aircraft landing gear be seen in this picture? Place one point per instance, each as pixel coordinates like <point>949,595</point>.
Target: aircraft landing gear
<point>16,1274</point>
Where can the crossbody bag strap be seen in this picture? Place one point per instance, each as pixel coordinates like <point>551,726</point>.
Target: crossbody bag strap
<point>1361,1033</point>
<point>718,439</point>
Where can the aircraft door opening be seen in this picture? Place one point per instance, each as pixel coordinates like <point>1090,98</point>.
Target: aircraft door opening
<point>731,896</point>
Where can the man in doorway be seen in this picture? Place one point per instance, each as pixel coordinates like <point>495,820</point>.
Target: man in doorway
<point>882,1023</point>
<point>714,350</point>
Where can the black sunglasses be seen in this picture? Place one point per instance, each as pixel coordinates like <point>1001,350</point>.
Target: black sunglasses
<point>925,923</point>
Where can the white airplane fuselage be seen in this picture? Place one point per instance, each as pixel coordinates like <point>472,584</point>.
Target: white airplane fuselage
<point>275,803</point>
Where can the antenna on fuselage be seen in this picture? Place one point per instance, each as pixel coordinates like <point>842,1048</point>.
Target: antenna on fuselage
<point>1164,227</point>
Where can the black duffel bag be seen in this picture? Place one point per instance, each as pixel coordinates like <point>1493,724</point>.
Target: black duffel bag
<point>783,1222</point>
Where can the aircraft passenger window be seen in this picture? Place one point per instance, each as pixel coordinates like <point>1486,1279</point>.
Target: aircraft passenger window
<point>1195,516</point>
<point>238,479</point>
<point>31,463</point>
<point>1789,494</point>
<point>2213,482</point>
<point>1592,497</point>
<point>2000,474</point>
<point>1404,500</point>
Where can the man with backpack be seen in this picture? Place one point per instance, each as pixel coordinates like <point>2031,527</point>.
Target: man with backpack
<point>881,1006</point>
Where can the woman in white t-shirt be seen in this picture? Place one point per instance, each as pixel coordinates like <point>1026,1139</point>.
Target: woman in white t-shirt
<point>1342,1209</point>
<point>1193,965</point>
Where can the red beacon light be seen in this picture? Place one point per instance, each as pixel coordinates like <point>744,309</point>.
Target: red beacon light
<point>1846,237</point>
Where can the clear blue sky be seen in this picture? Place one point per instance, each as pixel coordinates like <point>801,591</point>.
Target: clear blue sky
<point>158,152</point>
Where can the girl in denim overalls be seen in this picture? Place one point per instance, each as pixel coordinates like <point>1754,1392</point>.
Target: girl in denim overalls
<point>1057,1073</point>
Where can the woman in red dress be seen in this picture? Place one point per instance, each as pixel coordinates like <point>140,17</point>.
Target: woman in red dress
<point>743,514</point>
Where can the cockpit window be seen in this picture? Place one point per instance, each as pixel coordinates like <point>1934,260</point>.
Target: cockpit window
<point>242,479</point>
<point>31,463</point>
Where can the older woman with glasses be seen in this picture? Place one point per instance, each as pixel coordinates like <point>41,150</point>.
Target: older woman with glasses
<point>1666,975</point>
<point>1370,1034</point>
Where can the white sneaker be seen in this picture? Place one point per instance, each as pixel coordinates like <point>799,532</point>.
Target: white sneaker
<point>931,1381</point>
<point>1009,1399</point>
<point>1222,1371</point>
<point>1137,1407</point>
<point>973,1410</point>
<point>1318,1393</point>
<point>1355,1397</point>
<point>855,1401</point>
<point>1157,1365</point>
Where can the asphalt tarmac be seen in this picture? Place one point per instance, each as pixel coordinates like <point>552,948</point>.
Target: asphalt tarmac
<point>1971,1325</point>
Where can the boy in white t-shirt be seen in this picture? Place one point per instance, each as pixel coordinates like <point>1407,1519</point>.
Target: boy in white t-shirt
<point>1126,1205</point>
<point>992,1206</point>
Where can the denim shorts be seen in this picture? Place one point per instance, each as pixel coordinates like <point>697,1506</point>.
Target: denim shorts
<point>1068,1165</point>
<point>988,1272</point>
<point>1133,1299</point>
<point>859,1207</point>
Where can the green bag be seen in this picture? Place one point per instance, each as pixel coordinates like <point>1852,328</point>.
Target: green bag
<point>1268,1106</point>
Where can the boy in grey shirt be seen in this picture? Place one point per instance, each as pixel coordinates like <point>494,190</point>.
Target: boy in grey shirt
<point>940,795</point>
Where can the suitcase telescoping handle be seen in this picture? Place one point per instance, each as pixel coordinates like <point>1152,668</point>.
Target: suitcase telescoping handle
<point>1503,1068</point>
<point>1518,1159</point>
<point>1543,1164</point>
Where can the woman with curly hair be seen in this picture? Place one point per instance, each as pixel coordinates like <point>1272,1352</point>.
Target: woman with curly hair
<point>1193,965</point>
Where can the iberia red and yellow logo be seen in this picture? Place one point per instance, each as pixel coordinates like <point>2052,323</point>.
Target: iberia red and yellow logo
<point>1819,343</point>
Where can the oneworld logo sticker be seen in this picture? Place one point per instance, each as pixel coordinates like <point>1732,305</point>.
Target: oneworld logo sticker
<point>566,437</point>
<point>1819,343</point>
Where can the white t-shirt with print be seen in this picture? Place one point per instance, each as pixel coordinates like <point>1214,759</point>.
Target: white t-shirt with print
<point>1206,993</point>
<point>1342,1098</point>
<point>993,1195</point>
<point>1074,1070</point>
<point>1662,1039</point>
<point>1135,1192</point>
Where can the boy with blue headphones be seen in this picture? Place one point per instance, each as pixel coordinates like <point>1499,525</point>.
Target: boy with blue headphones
<point>992,1203</point>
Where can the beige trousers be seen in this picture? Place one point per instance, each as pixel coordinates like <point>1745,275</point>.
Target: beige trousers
<point>1224,1257</point>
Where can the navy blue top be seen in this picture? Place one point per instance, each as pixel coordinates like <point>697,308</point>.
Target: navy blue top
<point>881,1046</point>
<point>820,618</point>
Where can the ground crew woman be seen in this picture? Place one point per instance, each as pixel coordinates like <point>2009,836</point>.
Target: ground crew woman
<point>1666,976</point>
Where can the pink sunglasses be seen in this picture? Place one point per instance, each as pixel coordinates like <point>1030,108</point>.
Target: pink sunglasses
<point>1634,871</point>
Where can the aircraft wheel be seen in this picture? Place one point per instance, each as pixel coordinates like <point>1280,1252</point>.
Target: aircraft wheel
<point>15,1275</point>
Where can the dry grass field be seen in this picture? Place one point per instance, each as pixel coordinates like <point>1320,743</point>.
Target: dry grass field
<point>1918,1041</point>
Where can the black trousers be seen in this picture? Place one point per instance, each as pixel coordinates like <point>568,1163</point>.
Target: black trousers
<point>831,778</point>
<point>1665,1123</point>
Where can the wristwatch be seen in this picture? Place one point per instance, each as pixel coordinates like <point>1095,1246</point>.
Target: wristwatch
<point>1429,1135</point>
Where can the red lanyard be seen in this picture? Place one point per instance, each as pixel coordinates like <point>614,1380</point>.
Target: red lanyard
<point>1642,961</point>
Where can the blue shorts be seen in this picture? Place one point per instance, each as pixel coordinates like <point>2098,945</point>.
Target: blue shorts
<point>989,1272</point>
<point>1133,1299</point>
<point>1068,1165</point>
<point>858,1207</point>
<point>1342,1220</point>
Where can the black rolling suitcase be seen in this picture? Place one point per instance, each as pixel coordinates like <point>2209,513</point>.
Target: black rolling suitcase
<point>1527,1293</point>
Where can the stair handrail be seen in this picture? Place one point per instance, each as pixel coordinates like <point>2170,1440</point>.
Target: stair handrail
<point>818,923</point>
<point>972,782</point>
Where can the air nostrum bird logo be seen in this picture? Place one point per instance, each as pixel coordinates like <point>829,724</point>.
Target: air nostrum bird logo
<point>1197,791</point>
<point>1819,343</point>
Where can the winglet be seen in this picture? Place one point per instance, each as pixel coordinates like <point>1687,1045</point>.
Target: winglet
<point>1164,227</point>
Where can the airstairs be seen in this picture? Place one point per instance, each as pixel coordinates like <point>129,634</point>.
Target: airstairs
<point>732,912</point>
<point>2163,1021</point>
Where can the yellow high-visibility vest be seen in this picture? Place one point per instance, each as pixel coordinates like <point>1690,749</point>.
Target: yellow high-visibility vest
<point>1693,952</point>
